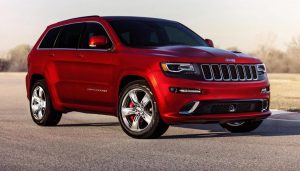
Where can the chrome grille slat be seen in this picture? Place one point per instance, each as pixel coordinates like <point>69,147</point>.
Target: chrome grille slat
<point>212,72</point>
<point>229,72</point>
<point>216,72</point>
<point>240,70</point>
<point>233,72</point>
<point>254,72</point>
<point>248,72</point>
<point>207,74</point>
<point>225,72</point>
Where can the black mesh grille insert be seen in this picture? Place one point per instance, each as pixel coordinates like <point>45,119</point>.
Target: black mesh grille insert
<point>206,71</point>
<point>223,107</point>
<point>241,72</point>
<point>225,72</point>
<point>233,72</point>
<point>254,72</point>
<point>217,72</point>
<point>248,72</point>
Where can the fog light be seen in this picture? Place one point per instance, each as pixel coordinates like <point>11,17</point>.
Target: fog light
<point>185,90</point>
<point>265,90</point>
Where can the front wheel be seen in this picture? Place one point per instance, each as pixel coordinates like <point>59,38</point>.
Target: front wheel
<point>137,112</point>
<point>241,126</point>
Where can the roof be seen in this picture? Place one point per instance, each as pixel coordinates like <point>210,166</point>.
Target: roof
<point>114,18</point>
<point>90,16</point>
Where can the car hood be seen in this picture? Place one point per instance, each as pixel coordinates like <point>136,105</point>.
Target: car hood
<point>194,54</point>
<point>197,54</point>
<point>188,51</point>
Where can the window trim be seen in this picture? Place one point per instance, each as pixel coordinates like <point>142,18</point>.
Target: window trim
<point>82,22</point>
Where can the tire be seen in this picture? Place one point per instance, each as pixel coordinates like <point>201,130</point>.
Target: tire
<point>41,109</point>
<point>242,126</point>
<point>137,112</point>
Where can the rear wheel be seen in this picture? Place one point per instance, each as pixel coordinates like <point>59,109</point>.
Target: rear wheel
<point>241,126</point>
<point>137,112</point>
<point>41,109</point>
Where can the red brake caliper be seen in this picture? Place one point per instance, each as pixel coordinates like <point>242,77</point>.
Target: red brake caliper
<point>131,105</point>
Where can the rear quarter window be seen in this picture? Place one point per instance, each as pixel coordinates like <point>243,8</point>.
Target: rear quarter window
<point>69,36</point>
<point>49,40</point>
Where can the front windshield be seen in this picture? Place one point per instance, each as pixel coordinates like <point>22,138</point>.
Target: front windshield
<point>147,33</point>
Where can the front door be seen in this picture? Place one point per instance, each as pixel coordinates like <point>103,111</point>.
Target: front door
<point>95,70</point>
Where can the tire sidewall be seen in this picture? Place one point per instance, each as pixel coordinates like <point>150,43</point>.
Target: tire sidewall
<point>42,84</point>
<point>247,126</point>
<point>155,118</point>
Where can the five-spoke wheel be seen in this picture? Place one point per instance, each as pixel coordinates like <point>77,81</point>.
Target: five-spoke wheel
<point>138,114</point>
<point>38,103</point>
<point>42,111</point>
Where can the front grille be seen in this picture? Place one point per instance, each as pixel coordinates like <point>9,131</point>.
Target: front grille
<point>223,107</point>
<point>229,72</point>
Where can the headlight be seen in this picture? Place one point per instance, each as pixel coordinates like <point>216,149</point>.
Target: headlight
<point>261,68</point>
<point>181,70</point>
<point>177,67</point>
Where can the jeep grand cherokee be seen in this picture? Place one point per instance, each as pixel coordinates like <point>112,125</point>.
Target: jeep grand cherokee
<point>150,73</point>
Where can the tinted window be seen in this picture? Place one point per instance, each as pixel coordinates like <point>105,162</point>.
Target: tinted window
<point>50,38</point>
<point>69,36</point>
<point>175,34</point>
<point>143,33</point>
<point>93,29</point>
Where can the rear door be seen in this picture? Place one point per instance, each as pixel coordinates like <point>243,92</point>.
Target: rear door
<point>95,70</point>
<point>64,61</point>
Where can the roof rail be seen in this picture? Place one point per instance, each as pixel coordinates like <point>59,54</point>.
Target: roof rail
<point>80,18</point>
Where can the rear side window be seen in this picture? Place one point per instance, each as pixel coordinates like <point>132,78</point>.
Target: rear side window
<point>93,29</point>
<point>69,36</point>
<point>50,38</point>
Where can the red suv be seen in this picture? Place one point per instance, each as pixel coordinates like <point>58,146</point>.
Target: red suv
<point>150,73</point>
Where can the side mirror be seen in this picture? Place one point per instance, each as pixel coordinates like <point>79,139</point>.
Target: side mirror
<point>209,42</point>
<point>95,41</point>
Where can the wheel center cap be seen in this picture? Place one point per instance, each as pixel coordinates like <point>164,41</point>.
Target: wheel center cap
<point>139,110</point>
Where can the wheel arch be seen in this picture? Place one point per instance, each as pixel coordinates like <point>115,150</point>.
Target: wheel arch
<point>55,101</point>
<point>35,78</point>
<point>128,79</point>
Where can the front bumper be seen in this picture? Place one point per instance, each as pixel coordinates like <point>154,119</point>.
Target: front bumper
<point>170,104</point>
<point>219,118</point>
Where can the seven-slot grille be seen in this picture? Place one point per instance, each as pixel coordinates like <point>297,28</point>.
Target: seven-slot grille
<point>229,72</point>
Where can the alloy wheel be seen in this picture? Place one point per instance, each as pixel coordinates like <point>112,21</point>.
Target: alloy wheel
<point>137,109</point>
<point>38,103</point>
<point>235,124</point>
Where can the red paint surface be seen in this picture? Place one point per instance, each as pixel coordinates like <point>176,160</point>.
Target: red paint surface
<point>73,75</point>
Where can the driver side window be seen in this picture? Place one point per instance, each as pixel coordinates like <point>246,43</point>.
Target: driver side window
<point>93,29</point>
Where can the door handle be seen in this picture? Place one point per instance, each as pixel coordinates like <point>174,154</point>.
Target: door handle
<point>52,54</point>
<point>79,55</point>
